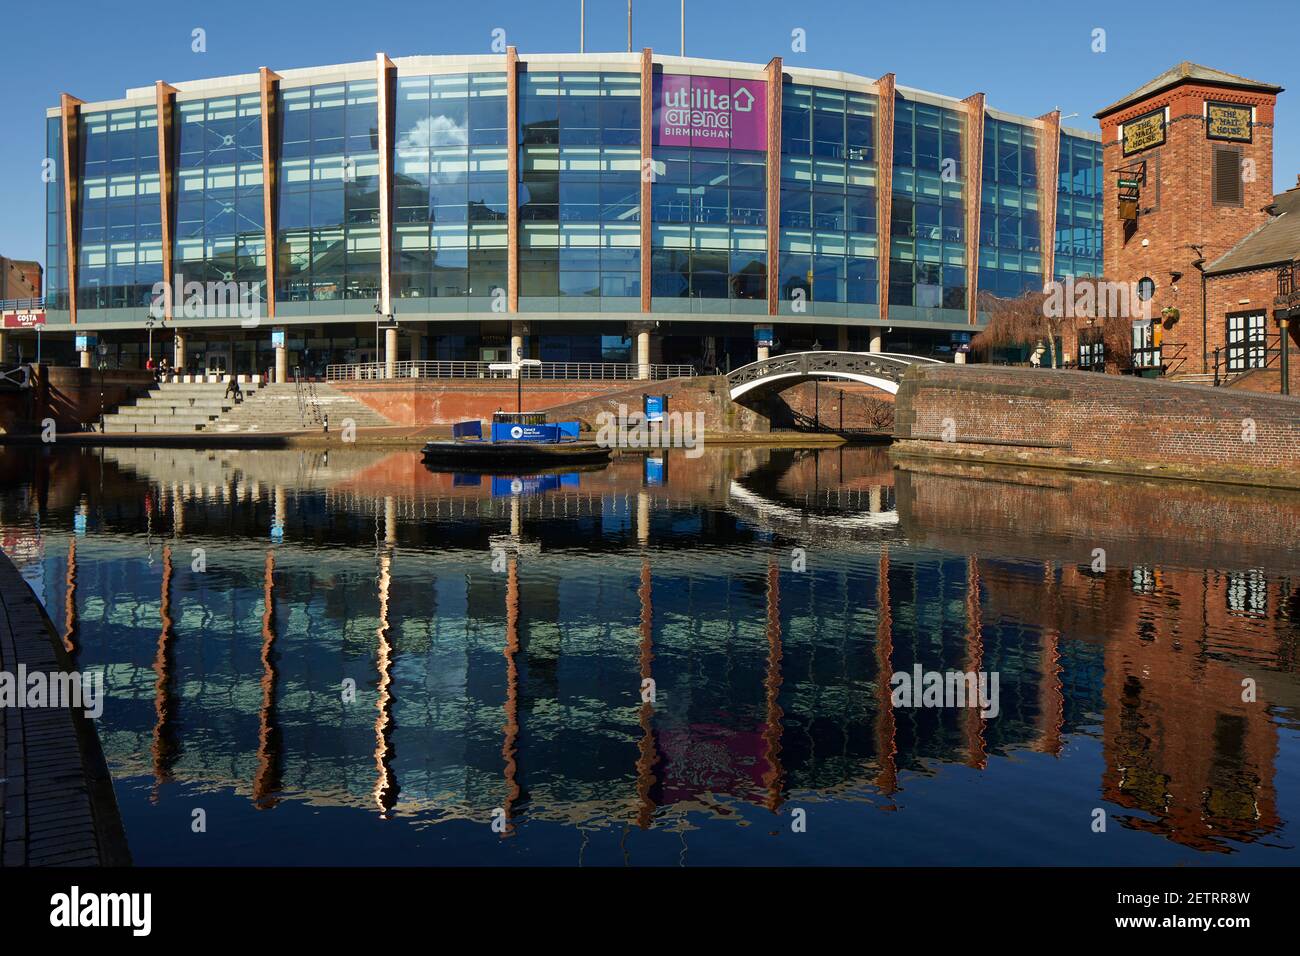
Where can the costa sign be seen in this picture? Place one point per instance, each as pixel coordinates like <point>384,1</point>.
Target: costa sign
<point>24,320</point>
<point>710,111</point>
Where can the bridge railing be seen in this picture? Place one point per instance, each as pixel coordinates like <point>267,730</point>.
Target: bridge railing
<point>579,371</point>
<point>887,365</point>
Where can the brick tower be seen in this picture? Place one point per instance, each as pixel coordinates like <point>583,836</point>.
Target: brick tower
<point>1195,148</point>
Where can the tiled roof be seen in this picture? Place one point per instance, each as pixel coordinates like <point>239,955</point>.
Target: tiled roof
<point>1274,243</point>
<point>1187,72</point>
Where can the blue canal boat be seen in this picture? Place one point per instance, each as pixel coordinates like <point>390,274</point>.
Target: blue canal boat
<point>516,440</point>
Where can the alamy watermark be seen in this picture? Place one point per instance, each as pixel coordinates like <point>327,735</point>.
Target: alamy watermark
<point>1094,299</point>
<point>23,689</point>
<point>922,688</point>
<point>209,300</point>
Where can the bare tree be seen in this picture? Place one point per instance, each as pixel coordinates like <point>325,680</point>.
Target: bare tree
<point>1043,317</point>
<point>1014,322</point>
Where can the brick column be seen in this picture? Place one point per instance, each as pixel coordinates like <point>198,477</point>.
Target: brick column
<point>165,98</point>
<point>268,84</point>
<point>647,183</point>
<point>774,186</point>
<point>973,161</point>
<point>512,180</point>
<point>1049,165</point>
<point>884,186</point>
<point>384,105</point>
<point>70,136</point>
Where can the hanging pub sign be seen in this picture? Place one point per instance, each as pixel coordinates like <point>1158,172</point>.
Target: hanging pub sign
<point>1228,121</point>
<point>1129,186</point>
<point>1144,132</point>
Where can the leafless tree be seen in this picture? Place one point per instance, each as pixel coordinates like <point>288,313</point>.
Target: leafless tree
<point>1043,317</point>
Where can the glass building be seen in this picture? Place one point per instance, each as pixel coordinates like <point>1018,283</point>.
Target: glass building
<point>583,207</point>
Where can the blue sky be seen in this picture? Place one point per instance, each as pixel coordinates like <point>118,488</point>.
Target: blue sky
<point>1028,57</point>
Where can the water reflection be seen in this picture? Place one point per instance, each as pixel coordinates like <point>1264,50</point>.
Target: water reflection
<point>502,636</point>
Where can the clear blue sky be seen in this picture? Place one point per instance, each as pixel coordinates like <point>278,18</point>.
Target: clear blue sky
<point>1028,56</point>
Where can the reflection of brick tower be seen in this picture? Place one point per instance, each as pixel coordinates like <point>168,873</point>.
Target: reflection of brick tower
<point>1180,744</point>
<point>1196,146</point>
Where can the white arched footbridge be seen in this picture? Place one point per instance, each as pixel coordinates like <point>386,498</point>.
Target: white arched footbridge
<point>884,370</point>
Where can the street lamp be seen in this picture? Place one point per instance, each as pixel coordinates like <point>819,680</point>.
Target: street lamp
<point>519,377</point>
<point>151,319</point>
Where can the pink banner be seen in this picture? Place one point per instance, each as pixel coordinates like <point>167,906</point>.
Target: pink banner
<point>710,111</point>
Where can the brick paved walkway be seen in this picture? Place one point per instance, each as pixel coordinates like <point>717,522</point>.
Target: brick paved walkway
<point>56,798</point>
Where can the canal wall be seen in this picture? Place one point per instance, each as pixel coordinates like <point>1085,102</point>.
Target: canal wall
<point>71,396</point>
<point>57,806</point>
<point>415,402</point>
<point>1081,420</point>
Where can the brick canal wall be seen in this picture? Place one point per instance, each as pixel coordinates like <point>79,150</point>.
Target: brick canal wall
<point>1033,514</point>
<point>71,396</point>
<point>447,401</point>
<point>1084,420</point>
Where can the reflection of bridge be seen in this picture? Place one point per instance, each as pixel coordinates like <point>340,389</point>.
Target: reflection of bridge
<point>884,370</point>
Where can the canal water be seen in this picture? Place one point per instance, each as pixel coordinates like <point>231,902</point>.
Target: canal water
<point>346,658</point>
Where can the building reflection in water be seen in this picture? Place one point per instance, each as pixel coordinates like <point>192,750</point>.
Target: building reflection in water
<point>769,687</point>
<point>165,747</point>
<point>270,763</point>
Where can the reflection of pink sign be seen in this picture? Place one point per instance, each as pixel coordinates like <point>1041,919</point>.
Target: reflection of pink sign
<point>24,320</point>
<point>710,111</point>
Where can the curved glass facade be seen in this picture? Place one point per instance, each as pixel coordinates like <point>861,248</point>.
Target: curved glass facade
<point>120,228</point>
<point>576,155</point>
<point>327,239</point>
<point>220,231</point>
<point>927,269</point>
<point>579,191</point>
<point>1010,242</point>
<point>828,200</point>
<point>1078,208</point>
<point>450,192</point>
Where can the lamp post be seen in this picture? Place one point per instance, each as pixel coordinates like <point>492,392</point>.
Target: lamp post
<point>519,377</point>
<point>150,320</point>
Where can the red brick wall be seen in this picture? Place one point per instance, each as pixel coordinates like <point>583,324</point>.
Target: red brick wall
<point>449,401</point>
<point>1178,192</point>
<point>1096,418</point>
<point>19,279</point>
<point>1251,291</point>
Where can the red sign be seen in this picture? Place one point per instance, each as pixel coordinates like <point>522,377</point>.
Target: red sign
<point>24,320</point>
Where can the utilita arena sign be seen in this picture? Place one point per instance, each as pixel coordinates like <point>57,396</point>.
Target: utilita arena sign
<point>710,111</point>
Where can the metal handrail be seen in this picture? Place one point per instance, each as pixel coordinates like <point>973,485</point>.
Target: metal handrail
<point>1245,352</point>
<point>887,365</point>
<point>585,371</point>
<point>1288,288</point>
<point>18,305</point>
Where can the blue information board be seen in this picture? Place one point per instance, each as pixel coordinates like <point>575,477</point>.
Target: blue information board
<point>655,406</point>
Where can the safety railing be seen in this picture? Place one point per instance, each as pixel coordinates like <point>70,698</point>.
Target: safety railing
<point>585,371</point>
<point>1236,359</point>
<point>21,305</point>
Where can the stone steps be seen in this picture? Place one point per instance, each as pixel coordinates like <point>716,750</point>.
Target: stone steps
<point>204,407</point>
<point>277,408</point>
<point>174,407</point>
